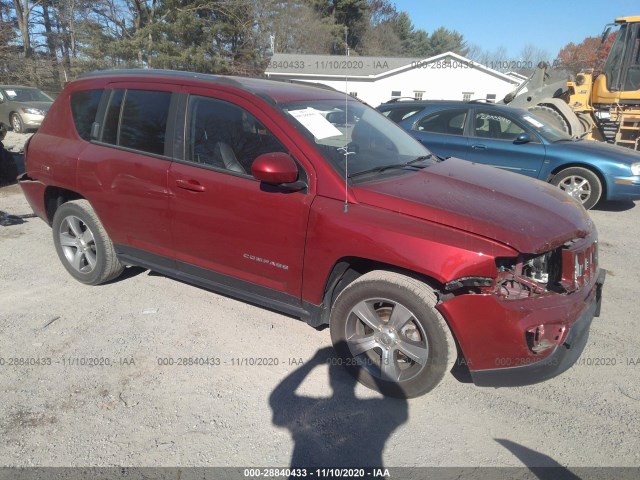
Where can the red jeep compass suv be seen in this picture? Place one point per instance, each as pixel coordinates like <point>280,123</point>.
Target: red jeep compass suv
<point>304,201</point>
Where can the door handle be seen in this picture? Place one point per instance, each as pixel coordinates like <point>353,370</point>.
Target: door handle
<point>479,147</point>
<point>192,185</point>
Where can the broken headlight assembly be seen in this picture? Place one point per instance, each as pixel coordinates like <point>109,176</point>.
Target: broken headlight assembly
<point>562,270</point>
<point>529,275</point>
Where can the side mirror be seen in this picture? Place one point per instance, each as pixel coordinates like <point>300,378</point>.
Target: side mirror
<point>522,138</point>
<point>277,168</point>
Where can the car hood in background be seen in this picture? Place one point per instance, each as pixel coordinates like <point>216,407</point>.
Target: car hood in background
<point>44,106</point>
<point>598,150</point>
<point>529,215</point>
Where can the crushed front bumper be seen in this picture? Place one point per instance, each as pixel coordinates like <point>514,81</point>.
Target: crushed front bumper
<point>562,358</point>
<point>492,338</point>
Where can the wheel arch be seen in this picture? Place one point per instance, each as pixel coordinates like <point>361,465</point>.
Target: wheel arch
<point>346,270</point>
<point>596,171</point>
<point>56,196</point>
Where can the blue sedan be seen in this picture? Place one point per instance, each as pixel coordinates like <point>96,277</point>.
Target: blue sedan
<point>515,140</point>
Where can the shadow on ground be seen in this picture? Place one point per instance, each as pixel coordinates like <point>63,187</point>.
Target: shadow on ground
<point>339,430</point>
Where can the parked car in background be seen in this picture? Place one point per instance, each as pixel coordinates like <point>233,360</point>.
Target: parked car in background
<point>239,185</point>
<point>23,108</point>
<point>516,140</point>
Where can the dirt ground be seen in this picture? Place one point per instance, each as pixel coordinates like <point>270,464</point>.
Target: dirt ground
<point>86,378</point>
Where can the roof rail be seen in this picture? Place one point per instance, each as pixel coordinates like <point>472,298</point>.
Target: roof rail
<point>397,99</point>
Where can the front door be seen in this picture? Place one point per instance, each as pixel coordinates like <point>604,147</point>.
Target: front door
<point>493,142</point>
<point>227,227</point>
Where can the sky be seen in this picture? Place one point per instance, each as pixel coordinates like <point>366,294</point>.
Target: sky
<point>549,25</point>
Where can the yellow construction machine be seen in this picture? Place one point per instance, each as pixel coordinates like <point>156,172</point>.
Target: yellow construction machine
<point>602,105</point>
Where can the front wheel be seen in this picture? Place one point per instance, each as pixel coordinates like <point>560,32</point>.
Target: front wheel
<point>581,184</point>
<point>16,123</point>
<point>390,337</point>
<point>83,245</point>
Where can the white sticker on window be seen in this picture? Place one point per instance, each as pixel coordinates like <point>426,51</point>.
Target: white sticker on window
<point>313,121</point>
<point>533,121</point>
<point>11,93</point>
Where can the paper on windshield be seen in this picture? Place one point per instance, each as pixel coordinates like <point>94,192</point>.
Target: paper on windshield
<point>313,121</point>
<point>11,93</point>
<point>533,121</point>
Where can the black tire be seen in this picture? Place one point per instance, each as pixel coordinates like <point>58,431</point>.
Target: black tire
<point>580,183</point>
<point>551,117</point>
<point>408,324</point>
<point>82,244</point>
<point>16,123</point>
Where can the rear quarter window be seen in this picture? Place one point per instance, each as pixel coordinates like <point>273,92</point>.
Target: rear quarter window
<point>84,106</point>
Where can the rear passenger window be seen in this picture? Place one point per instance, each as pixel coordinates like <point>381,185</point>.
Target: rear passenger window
<point>399,114</point>
<point>84,106</point>
<point>450,122</point>
<point>144,120</point>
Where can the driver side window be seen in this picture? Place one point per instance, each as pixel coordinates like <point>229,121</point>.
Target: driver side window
<point>495,126</point>
<point>450,122</point>
<point>225,136</point>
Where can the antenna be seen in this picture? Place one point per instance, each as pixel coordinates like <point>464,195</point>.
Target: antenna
<point>346,122</point>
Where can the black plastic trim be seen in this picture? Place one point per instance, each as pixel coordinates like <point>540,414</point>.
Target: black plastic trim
<point>220,283</point>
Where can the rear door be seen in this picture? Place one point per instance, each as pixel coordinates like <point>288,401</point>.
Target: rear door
<point>442,132</point>
<point>124,169</point>
<point>493,142</point>
<point>229,229</point>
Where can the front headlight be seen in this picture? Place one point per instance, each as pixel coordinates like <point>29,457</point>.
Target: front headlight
<point>33,111</point>
<point>635,168</point>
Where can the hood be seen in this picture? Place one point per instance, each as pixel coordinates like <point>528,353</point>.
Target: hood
<point>606,151</point>
<point>44,106</point>
<point>529,215</point>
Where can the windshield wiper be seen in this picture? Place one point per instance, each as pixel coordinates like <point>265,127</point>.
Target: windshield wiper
<point>382,168</point>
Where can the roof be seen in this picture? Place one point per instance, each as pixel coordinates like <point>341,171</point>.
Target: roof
<point>632,19</point>
<point>293,63</point>
<point>448,103</point>
<point>276,91</point>
<point>368,68</point>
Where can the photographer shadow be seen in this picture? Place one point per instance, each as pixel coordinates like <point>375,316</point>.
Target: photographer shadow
<point>340,431</point>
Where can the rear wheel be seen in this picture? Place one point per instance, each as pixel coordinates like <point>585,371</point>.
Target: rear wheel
<point>581,184</point>
<point>551,117</point>
<point>83,245</point>
<point>16,123</point>
<point>388,334</point>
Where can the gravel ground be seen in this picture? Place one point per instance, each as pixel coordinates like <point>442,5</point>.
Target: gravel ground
<point>14,142</point>
<point>137,412</point>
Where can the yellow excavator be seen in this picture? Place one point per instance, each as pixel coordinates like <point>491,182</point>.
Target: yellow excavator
<point>603,106</point>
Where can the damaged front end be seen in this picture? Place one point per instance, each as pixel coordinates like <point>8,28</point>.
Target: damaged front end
<point>536,309</point>
<point>562,270</point>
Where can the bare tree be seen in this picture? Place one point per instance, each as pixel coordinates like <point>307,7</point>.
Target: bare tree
<point>23,9</point>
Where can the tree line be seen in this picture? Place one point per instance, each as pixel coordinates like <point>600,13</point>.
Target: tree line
<point>46,42</point>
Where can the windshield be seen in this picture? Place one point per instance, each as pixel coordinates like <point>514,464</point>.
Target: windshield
<point>26,95</point>
<point>373,143</point>
<point>549,132</point>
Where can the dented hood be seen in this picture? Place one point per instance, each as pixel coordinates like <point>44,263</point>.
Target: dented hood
<point>527,214</point>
